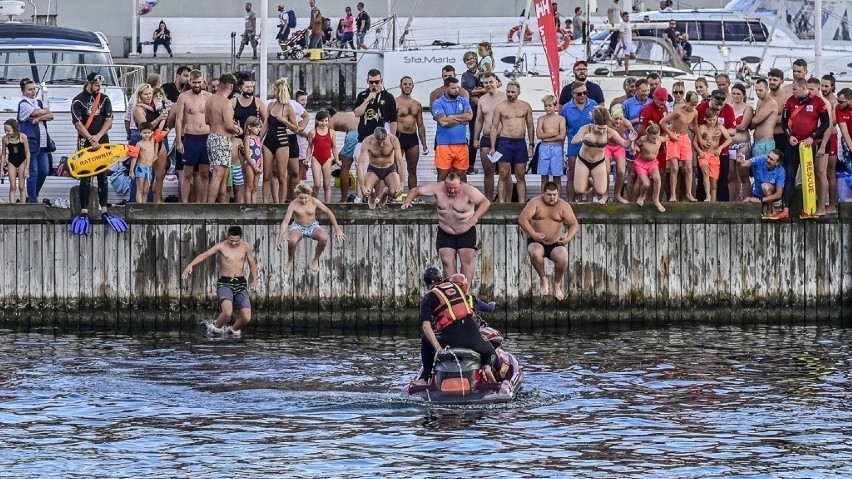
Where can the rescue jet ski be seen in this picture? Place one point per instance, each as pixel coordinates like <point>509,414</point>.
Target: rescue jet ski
<point>456,378</point>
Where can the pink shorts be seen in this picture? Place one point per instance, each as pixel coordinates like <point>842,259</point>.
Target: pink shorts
<point>614,150</point>
<point>645,168</point>
<point>680,149</point>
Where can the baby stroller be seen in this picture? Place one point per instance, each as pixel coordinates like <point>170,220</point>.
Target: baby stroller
<point>293,47</point>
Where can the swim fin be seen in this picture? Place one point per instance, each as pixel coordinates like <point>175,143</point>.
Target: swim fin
<point>116,222</point>
<point>80,224</point>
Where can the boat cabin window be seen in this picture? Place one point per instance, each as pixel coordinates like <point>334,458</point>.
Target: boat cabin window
<point>711,31</point>
<point>16,66</point>
<point>54,66</point>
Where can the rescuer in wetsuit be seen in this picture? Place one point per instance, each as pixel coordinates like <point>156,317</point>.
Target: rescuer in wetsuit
<point>445,309</point>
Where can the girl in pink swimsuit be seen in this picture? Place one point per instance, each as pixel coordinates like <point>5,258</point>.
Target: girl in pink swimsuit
<point>253,158</point>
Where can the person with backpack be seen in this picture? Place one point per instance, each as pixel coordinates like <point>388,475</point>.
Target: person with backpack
<point>286,22</point>
<point>362,22</point>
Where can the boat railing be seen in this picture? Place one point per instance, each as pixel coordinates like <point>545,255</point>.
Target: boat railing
<point>126,77</point>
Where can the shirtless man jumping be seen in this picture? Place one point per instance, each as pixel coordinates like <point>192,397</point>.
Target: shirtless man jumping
<point>380,161</point>
<point>410,129</point>
<point>303,212</point>
<point>232,287</point>
<point>220,117</point>
<point>191,130</point>
<point>460,206</point>
<point>542,219</point>
<point>512,119</point>
<point>484,117</point>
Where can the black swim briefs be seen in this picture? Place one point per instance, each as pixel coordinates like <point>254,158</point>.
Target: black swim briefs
<point>548,248</point>
<point>466,240</point>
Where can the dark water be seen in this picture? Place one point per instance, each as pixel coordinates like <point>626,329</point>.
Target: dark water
<point>763,402</point>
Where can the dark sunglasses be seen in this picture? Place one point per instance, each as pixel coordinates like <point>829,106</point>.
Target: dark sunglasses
<point>580,93</point>
<point>374,82</point>
<point>720,99</point>
<point>678,92</point>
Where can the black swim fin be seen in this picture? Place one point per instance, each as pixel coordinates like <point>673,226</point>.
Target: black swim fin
<point>116,222</point>
<point>80,224</point>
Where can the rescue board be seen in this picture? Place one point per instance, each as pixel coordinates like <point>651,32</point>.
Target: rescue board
<point>95,160</point>
<point>806,160</point>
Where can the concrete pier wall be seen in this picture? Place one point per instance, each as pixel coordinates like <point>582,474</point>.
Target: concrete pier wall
<point>627,266</point>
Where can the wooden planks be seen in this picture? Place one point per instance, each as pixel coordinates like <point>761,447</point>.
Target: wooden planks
<point>622,269</point>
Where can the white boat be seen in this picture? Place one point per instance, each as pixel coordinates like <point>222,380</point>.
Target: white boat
<point>755,36</point>
<point>58,60</point>
<point>653,55</point>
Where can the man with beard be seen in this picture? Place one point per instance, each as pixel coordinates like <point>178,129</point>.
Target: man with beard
<point>843,117</point>
<point>775,79</point>
<point>827,86</point>
<point>249,33</point>
<point>581,72</point>
<point>805,120</point>
<point>91,111</point>
<point>180,85</point>
<point>542,219</point>
<point>452,112</point>
<point>484,116</point>
<point>410,129</point>
<point>629,87</point>
<point>512,119</point>
<point>447,72</point>
<point>374,107</point>
<point>191,130</point>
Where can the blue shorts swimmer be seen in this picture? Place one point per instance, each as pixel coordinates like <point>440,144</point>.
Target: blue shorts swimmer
<point>144,172</point>
<point>550,159</point>
<point>306,230</point>
<point>349,143</point>
<point>235,290</point>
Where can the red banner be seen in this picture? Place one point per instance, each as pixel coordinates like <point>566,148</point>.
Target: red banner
<point>547,31</point>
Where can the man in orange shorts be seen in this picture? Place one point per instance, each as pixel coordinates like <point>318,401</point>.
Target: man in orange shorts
<point>453,113</point>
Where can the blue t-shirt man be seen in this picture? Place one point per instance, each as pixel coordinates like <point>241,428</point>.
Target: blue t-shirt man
<point>444,106</point>
<point>575,118</point>
<point>763,174</point>
<point>633,107</point>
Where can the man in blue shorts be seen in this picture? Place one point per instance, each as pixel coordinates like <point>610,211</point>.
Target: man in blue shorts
<point>191,131</point>
<point>512,119</point>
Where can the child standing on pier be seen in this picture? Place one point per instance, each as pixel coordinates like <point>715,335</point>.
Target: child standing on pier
<point>710,141</point>
<point>142,166</point>
<point>551,129</point>
<point>15,159</point>
<point>253,158</point>
<point>646,165</point>
<point>322,152</point>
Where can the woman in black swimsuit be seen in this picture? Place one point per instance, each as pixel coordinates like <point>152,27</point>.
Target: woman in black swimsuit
<point>16,158</point>
<point>276,148</point>
<point>590,160</point>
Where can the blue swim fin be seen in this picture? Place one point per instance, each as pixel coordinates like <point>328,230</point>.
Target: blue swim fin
<point>80,224</point>
<point>116,222</point>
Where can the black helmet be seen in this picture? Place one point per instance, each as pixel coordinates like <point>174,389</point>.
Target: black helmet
<point>432,275</point>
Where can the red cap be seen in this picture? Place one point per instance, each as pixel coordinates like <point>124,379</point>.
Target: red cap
<point>661,93</point>
<point>580,62</point>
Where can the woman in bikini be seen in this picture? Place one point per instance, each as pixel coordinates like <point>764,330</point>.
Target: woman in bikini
<point>739,186</point>
<point>591,160</point>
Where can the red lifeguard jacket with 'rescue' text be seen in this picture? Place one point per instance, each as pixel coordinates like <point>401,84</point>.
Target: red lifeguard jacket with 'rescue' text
<point>453,305</point>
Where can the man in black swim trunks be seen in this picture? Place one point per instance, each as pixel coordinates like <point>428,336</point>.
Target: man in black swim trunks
<point>542,219</point>
<point>460,206</point>
<point>380,161</point>
<point>232,287</point>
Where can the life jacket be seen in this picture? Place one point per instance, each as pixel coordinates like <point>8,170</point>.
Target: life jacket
<point>453,305</point>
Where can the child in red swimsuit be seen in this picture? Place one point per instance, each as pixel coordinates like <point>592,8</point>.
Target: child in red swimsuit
<point>322,152</point>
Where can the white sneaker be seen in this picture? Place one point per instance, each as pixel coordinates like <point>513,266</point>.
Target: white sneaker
<point>234,332</point>
<point>212,329</point>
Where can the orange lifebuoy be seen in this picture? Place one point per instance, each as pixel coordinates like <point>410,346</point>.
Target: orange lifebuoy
<point>528,34</point>
<point>566,39</point>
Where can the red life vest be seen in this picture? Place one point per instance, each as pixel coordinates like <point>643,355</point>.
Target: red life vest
<point>453,305</point>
